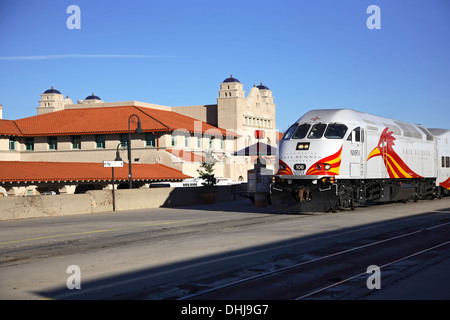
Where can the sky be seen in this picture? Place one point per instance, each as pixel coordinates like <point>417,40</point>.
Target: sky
<point>311,54</point>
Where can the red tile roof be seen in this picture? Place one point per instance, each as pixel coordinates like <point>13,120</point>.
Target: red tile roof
<point>29,171</point>
<point>105,120</point>
<point>8,127</point>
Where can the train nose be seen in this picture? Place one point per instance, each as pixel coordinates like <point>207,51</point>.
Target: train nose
<point>328,166</point>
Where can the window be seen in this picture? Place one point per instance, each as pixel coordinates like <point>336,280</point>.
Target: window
<point>150,139</point>
<point>76,142</point>
<point>211,142</point>
<point>100,141</point>
<point>12,143</point>
<point>445,162</point>
<point>52,143</point>
<point>288,134</point>
<point>186,141</point>
<point>358,135</point>
<point>124,139</point>
<point>199,142</point>
<point>173,141</point>
<point>317,131</point>
<point>29,144</point>
<point>301,131</point>
<point>335,131</point>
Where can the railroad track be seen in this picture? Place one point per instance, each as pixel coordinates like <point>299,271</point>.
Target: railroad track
<point>335,273</point>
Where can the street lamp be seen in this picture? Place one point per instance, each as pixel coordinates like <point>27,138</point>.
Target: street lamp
<point>118,158</point>
<point>138,130</point>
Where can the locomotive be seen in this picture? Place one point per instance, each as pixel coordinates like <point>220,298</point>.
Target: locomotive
<point>332,159</point>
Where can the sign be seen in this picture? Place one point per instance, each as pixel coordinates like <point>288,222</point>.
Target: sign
<point>112,164</point>
<point>260,134</point>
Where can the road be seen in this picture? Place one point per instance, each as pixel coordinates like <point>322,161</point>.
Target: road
<point>180,253</point>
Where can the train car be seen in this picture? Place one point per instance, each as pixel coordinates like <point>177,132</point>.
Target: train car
<point>340,158</point>
<point>443,160</point>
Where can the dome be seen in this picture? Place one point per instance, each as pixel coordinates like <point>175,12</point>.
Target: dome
<point>262,87</point>
<point>52,91</point>
<point>231,79</point>
<point>92,97</point>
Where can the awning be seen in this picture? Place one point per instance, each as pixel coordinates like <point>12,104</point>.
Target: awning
<point>257,149</point>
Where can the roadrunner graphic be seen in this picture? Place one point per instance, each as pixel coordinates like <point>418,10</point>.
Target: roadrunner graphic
<point>395,166</point>
<point>445,184</point>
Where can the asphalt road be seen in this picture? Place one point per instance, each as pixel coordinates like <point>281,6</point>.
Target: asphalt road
<point>169,253</point>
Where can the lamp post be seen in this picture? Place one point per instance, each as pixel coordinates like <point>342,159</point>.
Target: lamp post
<point>138,130</point>
<point>118,158</point>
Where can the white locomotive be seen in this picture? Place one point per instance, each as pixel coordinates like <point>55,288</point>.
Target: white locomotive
<point>341,158</point>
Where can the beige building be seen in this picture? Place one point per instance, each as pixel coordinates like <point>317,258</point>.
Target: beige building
<point>92,130</point>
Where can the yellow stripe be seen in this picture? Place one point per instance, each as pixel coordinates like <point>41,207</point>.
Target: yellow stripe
<point>95,231</point>
<point>399,167</point>
<point>335,160</point>
<point>393,172</point>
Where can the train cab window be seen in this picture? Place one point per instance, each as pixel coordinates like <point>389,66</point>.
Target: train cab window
<point>301,131</point>
<point>289,132</point>
<point>317,131</point>
<point>336,131</point>
<point>357,133</point>
<point>445,162</point>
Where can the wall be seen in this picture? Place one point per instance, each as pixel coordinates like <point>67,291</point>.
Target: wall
<point>101,201</point>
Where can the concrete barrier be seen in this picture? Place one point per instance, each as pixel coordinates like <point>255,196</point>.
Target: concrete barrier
<point>43,206</point>
<point>97,201</point>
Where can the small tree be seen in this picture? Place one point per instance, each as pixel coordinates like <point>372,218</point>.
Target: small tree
<point>206,173</point>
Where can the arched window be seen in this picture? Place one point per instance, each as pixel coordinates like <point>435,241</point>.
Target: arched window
<point>248,141</point>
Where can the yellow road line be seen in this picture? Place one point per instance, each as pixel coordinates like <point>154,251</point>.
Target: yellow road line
<point>95,231</point>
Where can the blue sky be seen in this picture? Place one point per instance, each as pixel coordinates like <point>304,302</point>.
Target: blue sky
<point>311,54</point>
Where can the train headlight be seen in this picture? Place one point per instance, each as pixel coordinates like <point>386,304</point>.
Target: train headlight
<point>327,166</point>
<point>318,166</point>
<point>302,146</point>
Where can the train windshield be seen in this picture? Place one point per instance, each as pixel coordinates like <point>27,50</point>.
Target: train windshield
<point>335,131</point>
<point>301,131</point>
<point>317,131</point>
<point>290,131</point>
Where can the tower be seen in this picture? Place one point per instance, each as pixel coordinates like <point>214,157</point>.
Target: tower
<point>51,100</point>
<point>230,103</point>
<point>91,99</point>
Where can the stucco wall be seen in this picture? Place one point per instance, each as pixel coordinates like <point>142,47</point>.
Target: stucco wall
<point>101,201</point>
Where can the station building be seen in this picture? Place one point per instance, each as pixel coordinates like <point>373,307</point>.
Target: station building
<point>175,139</point>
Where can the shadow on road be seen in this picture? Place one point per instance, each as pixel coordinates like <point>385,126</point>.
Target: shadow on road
<point>140,284</point>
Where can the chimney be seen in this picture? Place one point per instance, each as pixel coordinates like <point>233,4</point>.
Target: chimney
<point>1,111</point>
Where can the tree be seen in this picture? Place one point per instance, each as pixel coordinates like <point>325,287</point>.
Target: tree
<point>206,173</point>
